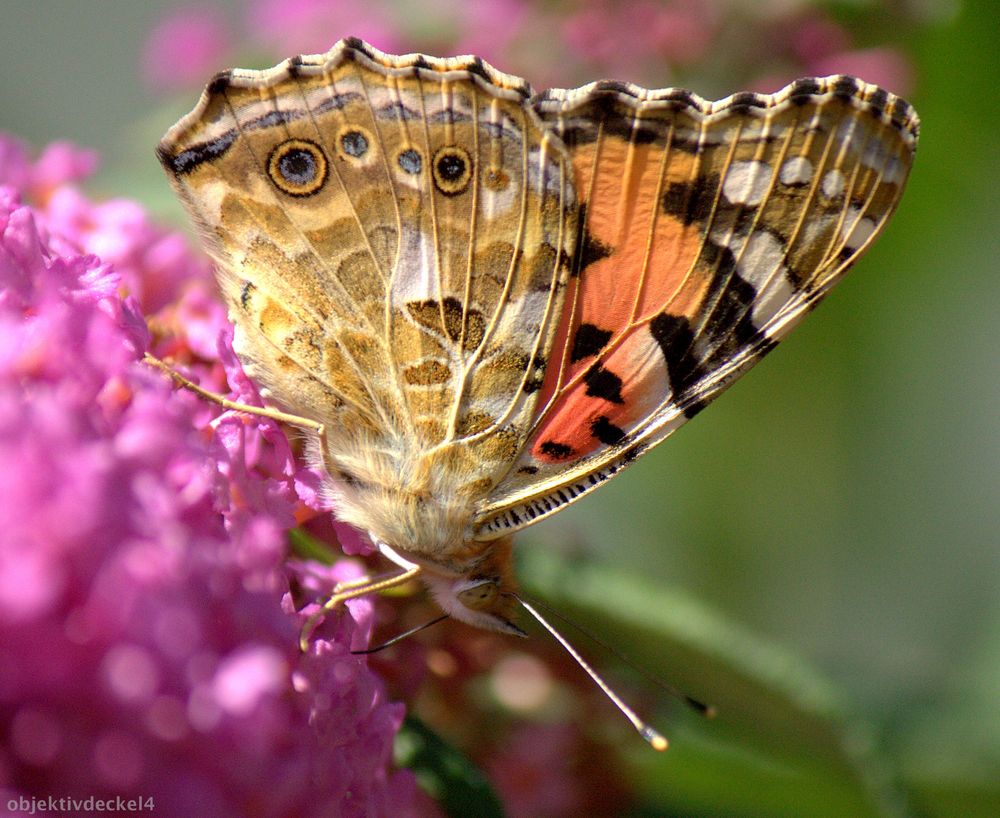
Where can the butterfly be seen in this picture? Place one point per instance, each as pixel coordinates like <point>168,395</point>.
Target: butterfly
<point>482,303</point>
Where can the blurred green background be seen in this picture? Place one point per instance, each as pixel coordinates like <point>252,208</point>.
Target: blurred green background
<point>817,555</point>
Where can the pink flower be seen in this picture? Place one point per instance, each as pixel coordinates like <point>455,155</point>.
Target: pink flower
<point>15,164</point>
<point>313,26</point>
<point>628,39</point>
<point>148,641</point>
<point>678,33</point>
<point>817,37</point>
<point>154,265</point>
<point>883,66</point>
<point>59,164</point>
<point>185,48</point>
<point>534,772</point>
<point>488,28</point>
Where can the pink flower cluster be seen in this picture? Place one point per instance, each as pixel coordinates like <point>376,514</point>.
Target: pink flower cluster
<point>148,640</point>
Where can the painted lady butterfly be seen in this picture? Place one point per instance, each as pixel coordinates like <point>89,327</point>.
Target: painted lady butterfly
<point>485,302</point>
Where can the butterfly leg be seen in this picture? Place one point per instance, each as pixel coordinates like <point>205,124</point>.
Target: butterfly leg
<point>351,590</point>
<point>358,582</point>
<point>260,411</point>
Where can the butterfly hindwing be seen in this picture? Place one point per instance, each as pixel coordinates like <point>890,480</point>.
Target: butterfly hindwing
<point>708,229</point>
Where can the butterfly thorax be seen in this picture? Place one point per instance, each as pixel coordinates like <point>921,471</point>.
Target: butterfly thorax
<point>409,498</point>
<point>414,503</point>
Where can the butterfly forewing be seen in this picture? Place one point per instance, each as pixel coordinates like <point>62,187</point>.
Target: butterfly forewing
<point>394,235</point>
<point>708,230</point>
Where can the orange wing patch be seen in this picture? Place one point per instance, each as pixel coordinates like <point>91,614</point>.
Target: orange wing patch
<point>633,262</point>
<point>606,399</point>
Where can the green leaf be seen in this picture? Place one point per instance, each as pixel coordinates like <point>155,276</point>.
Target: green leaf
<point>445,773</point>
<point>784,742</point>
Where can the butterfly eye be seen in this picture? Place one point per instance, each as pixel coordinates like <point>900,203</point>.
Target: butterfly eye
<point>297,167</point>
<point>410,161</point>
<point>452,170</point>
<point>477,594</point>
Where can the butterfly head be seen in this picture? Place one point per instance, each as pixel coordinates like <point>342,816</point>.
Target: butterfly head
<point>484,595</point>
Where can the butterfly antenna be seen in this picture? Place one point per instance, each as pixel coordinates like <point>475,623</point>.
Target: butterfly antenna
<point>700,707</point>
<point>655,739</point>
<point>400,637</point>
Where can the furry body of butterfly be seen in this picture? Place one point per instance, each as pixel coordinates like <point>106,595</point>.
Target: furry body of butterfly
<point>493,301</point>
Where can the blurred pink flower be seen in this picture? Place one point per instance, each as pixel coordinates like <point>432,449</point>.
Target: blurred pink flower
<point>628,38</point>
<point>886,66</point>
<point>185,48</point>
<point>154,265</point>
<point>816,37</point>
<point>534,772</point>
<point>15,163</point>
<point>588,32</point>
<point>60,163</point>
<point>148,641</point>
<point>313,26</point>
<point>488,28</point>
<point>679,32</point>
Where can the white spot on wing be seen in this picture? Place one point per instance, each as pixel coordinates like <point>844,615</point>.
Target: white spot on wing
<point>796,171</point>
<point>881,157</point>
<point>894,171</point>
<point>762,264</point>
<point>876,155</point>
<point>763,254</point>
<point>850,135</point>
<point>856,229</point>
<point>833,183</point>
<point>771,299</point>
<point>747,182</point>
<point>211,195</point>
<point>415,277</point>
<point>519,323</point>
<point>496,203</point>
<point>544,174</point>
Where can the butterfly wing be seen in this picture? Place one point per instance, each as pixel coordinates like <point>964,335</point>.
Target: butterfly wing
<point>393,236</point>
<point>709,230</point>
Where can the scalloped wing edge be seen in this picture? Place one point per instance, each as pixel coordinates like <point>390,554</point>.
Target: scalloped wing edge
<point>350,49</point>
